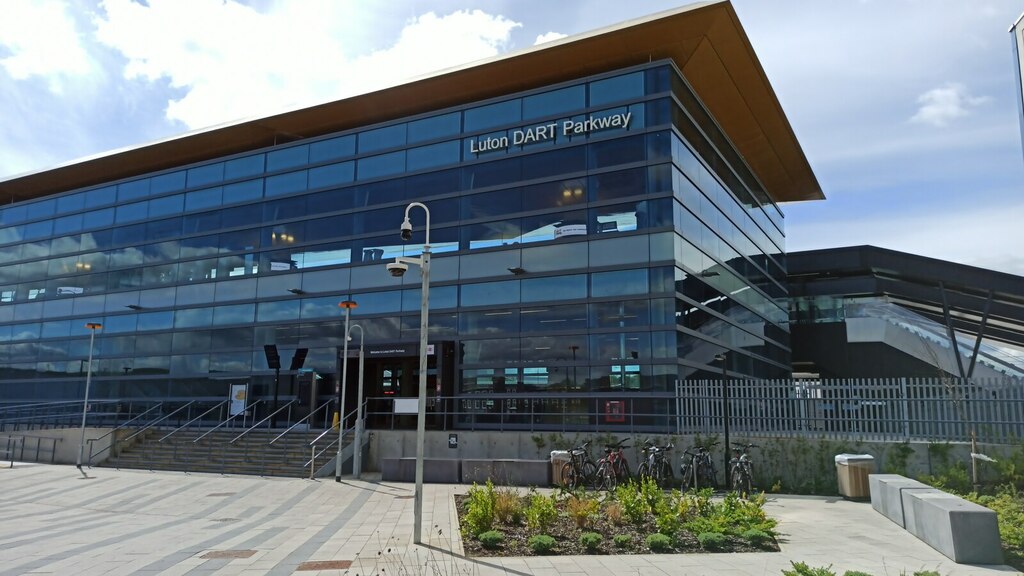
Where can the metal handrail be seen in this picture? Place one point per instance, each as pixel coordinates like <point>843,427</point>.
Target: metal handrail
<point>189,423</point>
<point>125,424</point>
<point>158,420</point>
<point>288,405</point>
<point>228,419</point>
<point>312,444</point>
<point>307,417</point>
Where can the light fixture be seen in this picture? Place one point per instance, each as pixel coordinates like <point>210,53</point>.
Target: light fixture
<point>297,291</point>
<point>133,306</point>
<point>516,270</point>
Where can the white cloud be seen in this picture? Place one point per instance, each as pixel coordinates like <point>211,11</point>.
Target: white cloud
<point>231,61</point>
<point>42,40</point>
<point>549,37</point>
<point>940,106</point>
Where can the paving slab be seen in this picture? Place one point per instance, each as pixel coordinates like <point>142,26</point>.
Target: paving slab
<point>121,522</point>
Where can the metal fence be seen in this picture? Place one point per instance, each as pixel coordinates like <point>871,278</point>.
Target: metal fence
<point>891,409</point>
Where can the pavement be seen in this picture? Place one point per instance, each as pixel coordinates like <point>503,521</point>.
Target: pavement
<point>54,521</point>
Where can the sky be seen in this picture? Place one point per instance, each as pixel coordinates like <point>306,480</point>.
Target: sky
<point>905,109</point>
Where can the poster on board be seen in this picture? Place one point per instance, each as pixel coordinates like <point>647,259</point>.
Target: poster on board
<point>236,401</point>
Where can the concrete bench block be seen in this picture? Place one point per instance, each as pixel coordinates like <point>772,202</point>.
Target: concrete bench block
<point>435,470</point>
<point>887,494</point>
<point>522,472</point>
<point>910,520</point>
<point>478,471</point>
<point>965,532</point>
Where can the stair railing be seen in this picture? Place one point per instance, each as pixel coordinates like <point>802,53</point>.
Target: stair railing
<point>145,428</point>
<point>314,454</point>
<point>310,418</point>
<point>209,450</point>
<point>188,451</point>
<point>124,424</point>
<point>245,451</point>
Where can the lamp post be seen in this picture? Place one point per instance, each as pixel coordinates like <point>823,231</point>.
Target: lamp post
<point>357,454</point>
<point>348,305</point>
<point>93,327</point>
<point>725,414</point>
<point>398,269</point>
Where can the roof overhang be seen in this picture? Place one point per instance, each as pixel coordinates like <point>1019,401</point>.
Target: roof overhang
<point>705,40</point>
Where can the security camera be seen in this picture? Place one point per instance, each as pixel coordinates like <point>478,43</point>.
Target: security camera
<point>406,230</point>
<point>397,269</point>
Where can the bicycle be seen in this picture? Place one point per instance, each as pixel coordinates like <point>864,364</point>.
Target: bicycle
<point>655,464</point>
<point>613,468</point>
<point>698,469</point>
<point>741,469</point>
<point>580,470</point>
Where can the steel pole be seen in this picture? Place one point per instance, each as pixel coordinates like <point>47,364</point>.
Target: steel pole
<point>725,419</point>
<point>422,407</point>
<point>357,454</point>
<point>92,326</point>
<point>347,305</point>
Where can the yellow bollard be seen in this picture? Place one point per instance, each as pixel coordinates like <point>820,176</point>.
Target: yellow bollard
<point>337,419</point>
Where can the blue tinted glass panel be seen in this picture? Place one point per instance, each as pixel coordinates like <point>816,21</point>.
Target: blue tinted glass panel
<point>14,214</point>
<point>617,89</point>
<point>67,224</point>
<point>242,167</point>
<point>166,206</point>
<point>117,324</point>
<point>156,320</point>
<point>98,218</point>
<point>383,165</point>
<point>242,191</point>
<point>332,149</point>
<point>286,183</point>
<point>200,199</point>
<point>132,212</point>
<point>70,203</point>
<point>236,314</point>
<point>191,318</point>
<point>167,182</point>
<point>332,175</point>
<point>38,229</point>
<point>555,102</point>
<point>287,158</point>
<point>618,283</point>
<point>100,196</point>
<point>435,127</point>
<point>557,288</point>
<point>41,209</point>
<point>240,216</point>
<point>377,303</point>
<point>433,155</point>
<point>492,115</point>
<point>202,175</point>
<point>440,297</point>
<point>280,310</point>
<point>386,137</point>
<point>132,190</point>
<point>617,151</point>
<point>506,292</point>
<point>161,229</point>
<point>57,329</point>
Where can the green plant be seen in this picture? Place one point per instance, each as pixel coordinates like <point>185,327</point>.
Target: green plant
<point>491,539</point>
<point>711,540</point>
<point>581,508</point>
<point>652,493</point>
<point>658,542</point>
<point>508,506</point>
<point>541,512</point>
<point>541,544</point>
<point>668,521</point>
<point>896,458</point>
<point>756,537</point>
<point>622,540</point>
<point>590,540</point>
<point>634,505</point>
<point>802,569</point>
<point>479,509</point>
<point>856,573</point>
<point>613,510</point>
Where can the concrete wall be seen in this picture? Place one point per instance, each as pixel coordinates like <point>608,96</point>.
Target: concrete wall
<point>64,443</point>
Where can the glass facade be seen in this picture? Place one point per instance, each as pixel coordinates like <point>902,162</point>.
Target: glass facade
<point>596,237</point>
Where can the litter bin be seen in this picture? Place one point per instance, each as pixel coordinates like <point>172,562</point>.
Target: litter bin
<point>558,459</point>
<point>852,472</point>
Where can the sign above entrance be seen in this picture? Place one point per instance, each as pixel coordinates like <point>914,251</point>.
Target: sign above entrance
<point>391,350</point>
<point>549,131</point>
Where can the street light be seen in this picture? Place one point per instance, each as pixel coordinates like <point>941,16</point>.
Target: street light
<point>357,454</point>
<point>93,327</point>
<point>348,305</point>
<point>398,268</point>
<point>725,414</point>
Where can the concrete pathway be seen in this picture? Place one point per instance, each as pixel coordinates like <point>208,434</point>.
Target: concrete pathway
<point>149,523</point>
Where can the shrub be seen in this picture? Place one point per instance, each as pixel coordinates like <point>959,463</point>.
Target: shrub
<point>480,509</point>
<point>508,506</point>
<point>756,537</point>
<point>802,569</point>
<point>711,540</point>
<point>622,540</point>
<point>541,544</point>
<point>658,542</point>
<point>634,505</point>
<point>855,573</point>
<point>581,508</point>
<point>668,522</point>
<point>652,493</point>
<point>491,539</point>
<point>613,510</point>
<point>541,512</point>
<point>590,540</point>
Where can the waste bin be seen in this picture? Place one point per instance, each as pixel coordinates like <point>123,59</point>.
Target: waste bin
<point>558,459</point>
<point>852,472</point>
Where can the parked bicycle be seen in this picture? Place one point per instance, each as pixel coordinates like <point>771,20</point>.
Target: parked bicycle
<point>613,469</point>
<point>698,468</point>
<point>655,464</point>
<point>741,469</point>
<point>580,471</point>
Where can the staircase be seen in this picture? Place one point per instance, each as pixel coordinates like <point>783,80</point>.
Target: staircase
<point>250,455</point>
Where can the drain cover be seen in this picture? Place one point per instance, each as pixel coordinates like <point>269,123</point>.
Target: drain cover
<point>228,554</point>
<point>324,565</point>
